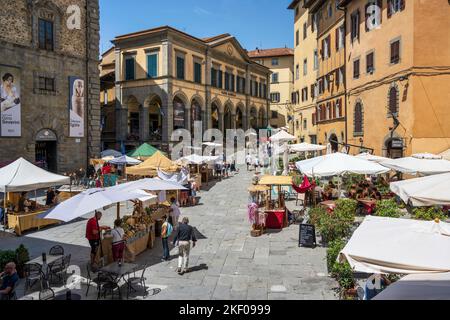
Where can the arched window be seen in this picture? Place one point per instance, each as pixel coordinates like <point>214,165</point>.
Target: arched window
<point>178,113</point>
<point>358,121</point>
<point>393,100</point>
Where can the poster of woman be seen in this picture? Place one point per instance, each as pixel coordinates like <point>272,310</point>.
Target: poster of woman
<point>10,103</point>
<point>76,106</point>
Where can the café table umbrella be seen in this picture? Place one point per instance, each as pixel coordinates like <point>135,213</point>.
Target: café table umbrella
<point>125,160</point>
<point>91,200</point>
<point>419,164</point>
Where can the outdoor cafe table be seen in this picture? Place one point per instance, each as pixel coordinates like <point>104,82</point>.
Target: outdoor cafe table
<point>50,259</point>
<point>118,272</point>
<point>369,205</point>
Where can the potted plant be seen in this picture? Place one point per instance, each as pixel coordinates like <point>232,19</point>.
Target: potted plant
<point>429,214</point>
<point>22,257</point>
<point>388,208</point>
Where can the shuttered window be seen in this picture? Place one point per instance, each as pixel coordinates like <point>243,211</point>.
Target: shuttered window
<point>355,25</point>
<point>213,77</point>
<point>393,100</point>
<point>130,68</point>
<point>180,68</point>
<point>395,52</point>
<point>356,69</point>
<point>370,63</point>
<point>46,41</point>
<point>220,82</point>
<point>358,119</point>
<point>197,72</point>
<point>152,65</point>
<point>394,6</point>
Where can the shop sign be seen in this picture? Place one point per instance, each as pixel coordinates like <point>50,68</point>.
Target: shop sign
<point>397,144</point>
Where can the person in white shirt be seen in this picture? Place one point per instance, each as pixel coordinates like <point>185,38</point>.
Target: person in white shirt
<point>118,241</point>
<point>248,160</point>
<point>176,213</point>
<point>256,163</point>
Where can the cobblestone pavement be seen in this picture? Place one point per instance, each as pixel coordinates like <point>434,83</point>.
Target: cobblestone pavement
<point>228,263</point>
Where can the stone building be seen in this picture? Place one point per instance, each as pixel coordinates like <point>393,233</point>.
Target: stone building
<point>306,66</point>
<point>166,79</point>
<point>51,49</point>
<point>398,83</point>
<point>280,61</point>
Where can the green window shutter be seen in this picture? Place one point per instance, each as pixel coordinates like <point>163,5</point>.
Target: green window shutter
<point>129,69</point>
<point>180,68</point>
<point>152,66</point>
<point>197,72</point>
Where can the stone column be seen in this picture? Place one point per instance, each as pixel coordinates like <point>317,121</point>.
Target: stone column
<point>206,113</point>
<point>221,123</point>
<point>187,117</point>
<point>233,121</point>
<point>144,124</point>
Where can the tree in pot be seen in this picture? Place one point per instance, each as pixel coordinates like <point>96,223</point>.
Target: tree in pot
<point>22,257</point>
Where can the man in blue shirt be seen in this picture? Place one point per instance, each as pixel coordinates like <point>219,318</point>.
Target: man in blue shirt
<point>10,278</point>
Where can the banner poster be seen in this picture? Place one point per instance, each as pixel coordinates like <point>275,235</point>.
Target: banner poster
<point>76,107</point>
<point>10,103</point>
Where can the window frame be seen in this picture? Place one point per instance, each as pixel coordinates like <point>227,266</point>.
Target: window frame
<point>129,58</point>
<point>393,41</point>
<point>196,80</point>
<point>180,57</point>
<point>357,61</point>
<point>157,66</point>
<point>371,52</point>
<point>277,60</point>
<point>305,66</point>
<point>46,40</point>
<point>275,75</point>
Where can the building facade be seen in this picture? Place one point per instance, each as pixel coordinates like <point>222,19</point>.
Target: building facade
<point>398,81</point>
<point>49,82</point>
<point>306,66</point>
<point>330,100</point>
<point>166,79</point>
<point>280,61</point>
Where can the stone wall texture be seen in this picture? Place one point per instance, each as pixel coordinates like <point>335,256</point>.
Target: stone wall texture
<point>76,54</point>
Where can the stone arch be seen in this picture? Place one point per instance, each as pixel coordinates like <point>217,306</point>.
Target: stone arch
<point>51,12</point>
<point>182,96</point>
<point>253,117</point>
<point>239,118</point>
<point>196,112</point>
<point>228,111</point>
<point>216,111</point>
<point>389,149</point>
<point>134,110</point>
<point>153,103</point>
<point>200,100</point>
<point>179,111</point>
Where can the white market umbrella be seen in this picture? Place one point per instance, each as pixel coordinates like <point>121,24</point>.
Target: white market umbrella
<point>445,155</point>
<point>371,157</point>
<point>21,176</point>
<point>91,200</point>
<point>434,286</point>
<point>110,153</point>
<point>282,136</point>
<point>196,159</point>
<point>417,165</point>
<point>125,160</point>
<point>423,192</point>
<point>401,246</point>
<point>306,147</point>
<point>149,184</point>
<point>337,164</point>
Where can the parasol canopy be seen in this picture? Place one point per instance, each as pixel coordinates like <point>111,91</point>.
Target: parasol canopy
<point>336,164</point>
<point>125,160</point>
<point>420,164</point>
<point>371,157</point>
<point>150,166</point>
<point>282,136</point>
<point>424,192</point>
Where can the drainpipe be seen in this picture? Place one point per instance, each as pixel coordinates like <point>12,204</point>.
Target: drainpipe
<point>86,114</point>
<point>346,76</point>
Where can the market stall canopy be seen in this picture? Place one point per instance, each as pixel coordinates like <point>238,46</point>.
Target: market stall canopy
<point>22,175</point>
<point>418,165</point>
<point>125,160</point>
<point>306,147</point>
<point>434,286</point>
<point>405,246</point>
<point>337,164</point>
<point>108,158</point>
<point>424,192</point>
<point>275,181</point>
<point>258,188</point>
<point>213,144</point>
<point>151,165</point>
<point>445,155</point>
<point>282,136</point>
<point>91,200</point>
<point>181,177</point>
<point>149,184</point>
<point>196,159</point>
<point>371,157</point>
<point>110,153</point>
<point>144,151</point>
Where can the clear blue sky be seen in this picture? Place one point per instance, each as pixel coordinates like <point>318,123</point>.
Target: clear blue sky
<point>255,23</point>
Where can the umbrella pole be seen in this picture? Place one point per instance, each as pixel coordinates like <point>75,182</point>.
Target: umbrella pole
<point>118,210</point>
<point>4,209</point>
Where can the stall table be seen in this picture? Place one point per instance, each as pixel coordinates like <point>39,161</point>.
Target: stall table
<point>276,219</point>
<point>22,222</point>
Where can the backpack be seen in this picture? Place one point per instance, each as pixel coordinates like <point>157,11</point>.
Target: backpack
<point>169,229</point>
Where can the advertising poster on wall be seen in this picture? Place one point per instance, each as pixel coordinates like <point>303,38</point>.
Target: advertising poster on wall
<point>76,107</point>
<point>10,103</point>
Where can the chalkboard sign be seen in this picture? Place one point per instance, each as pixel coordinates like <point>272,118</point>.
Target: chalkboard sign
<point>307,237</point>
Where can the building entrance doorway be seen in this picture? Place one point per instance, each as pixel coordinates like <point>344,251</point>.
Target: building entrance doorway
<point>46,150</point>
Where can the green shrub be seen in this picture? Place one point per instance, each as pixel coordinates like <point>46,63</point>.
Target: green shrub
<point>344,275</point>
<point>429,214</point>
<point>6,257</point>
<point>388,208</point>
<point>22,255</point>
<point>346,209</point>
<point>334,248</point>
<point>315,214</point>
<point>333,227</point>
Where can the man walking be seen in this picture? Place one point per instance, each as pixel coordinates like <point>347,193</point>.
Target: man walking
<point>184,235</point>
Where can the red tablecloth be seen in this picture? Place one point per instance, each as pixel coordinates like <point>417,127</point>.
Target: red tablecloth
<point>275,219</point>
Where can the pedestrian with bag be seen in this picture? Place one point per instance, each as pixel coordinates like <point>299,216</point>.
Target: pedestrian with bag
<point>166,231</point>
<point>183,237</point>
